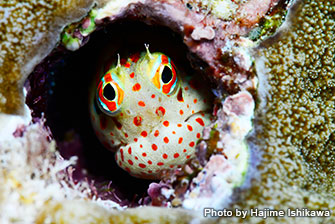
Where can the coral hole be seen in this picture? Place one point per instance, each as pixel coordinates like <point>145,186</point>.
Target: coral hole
<point>59,87</point>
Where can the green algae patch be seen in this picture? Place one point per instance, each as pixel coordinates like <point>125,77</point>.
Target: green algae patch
<point>74,34</point>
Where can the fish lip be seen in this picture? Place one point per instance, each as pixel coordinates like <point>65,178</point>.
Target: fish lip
<point>197,113</point>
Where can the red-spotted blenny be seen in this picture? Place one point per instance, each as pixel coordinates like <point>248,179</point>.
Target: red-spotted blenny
<point>150,113</point>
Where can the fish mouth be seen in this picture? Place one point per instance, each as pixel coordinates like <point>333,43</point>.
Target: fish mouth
<point>200,112</point>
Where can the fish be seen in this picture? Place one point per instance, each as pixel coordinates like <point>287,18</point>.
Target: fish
<point>149,113</point>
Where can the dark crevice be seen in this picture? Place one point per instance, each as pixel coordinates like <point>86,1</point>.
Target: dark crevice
<point>58,88</point>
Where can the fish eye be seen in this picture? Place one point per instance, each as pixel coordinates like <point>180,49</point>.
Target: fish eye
<point>110,94</point>
<point>167,75</point>
<point>162,73</point>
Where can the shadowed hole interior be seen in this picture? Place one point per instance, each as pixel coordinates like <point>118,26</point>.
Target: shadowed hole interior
<point>62,81</point>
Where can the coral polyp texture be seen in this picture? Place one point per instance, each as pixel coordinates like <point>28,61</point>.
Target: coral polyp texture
<point>288,161</point>
<point>295,133</point>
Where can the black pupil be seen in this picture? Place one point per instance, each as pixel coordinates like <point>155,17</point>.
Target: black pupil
<point>166,75</point>
<point>109,92</point>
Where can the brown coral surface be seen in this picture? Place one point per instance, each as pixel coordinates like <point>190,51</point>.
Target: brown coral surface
<point>29,31</point>
<point>295,125</point>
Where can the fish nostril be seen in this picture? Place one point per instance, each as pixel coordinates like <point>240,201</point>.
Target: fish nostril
<point>128,112</point>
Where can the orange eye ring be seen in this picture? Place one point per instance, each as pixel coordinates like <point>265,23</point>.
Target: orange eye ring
<point>110,94</point>
<point>164,75</point>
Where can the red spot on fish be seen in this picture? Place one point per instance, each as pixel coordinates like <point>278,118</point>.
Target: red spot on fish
<point>160,111</point>
<point>186,88</point>
<point>103,123</point>
<point>149,171</point>
<point>181,112</point>
<point>132,75</point>
<point>166,123</point>
<point>189,127</point>
<point>200,121</point>
<point>165,156</point>
<point>141,103</point>
<point>188,106</point>
<point>156,133</point>
<point>180,96</point>
<point>135,139</point>
<point>192,111</point>
<point>137,121</point>
<point>176,155</point>
<point>117,123</point>
<point>127,169</point>
<point>141,165</point>
<point>141,146</point>
<point>144,134</point>
<point>121,152</point>
<point>187,157</point>
<point>153,96</point>
<point>191,144</point>
<point>126,135</point>
<point>112,142</point>
<point>173,132</point>
<point>195,101</point>
<point>171,166</point>
<point>127,65</point>
<point>180,140</point>
<point>198,135</point>
<point>166,140</point>
<point>144,154</point>
<point>130,162</point>
<point>136,87</point>
<point>120,163</point>
<point>136,157</point>
<point>111,134</point>
<point>105,143</point>
<point>154,147</point>
<point>129,150</point>
<point>121,114</point>
<point>134,58</point>
<point>179,125</point>
<point>149,162</point>
<point>123,61</point>
<point>184,150</point>
<point>160,164</point>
